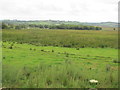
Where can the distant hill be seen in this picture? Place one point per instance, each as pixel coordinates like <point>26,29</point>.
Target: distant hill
<point>103,24</point>
<point>57,22</point>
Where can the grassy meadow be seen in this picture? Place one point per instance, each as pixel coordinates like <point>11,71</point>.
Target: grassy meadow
<point>63,38</point>
<point>41,58</point>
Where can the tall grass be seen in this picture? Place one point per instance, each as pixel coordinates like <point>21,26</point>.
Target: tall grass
<point>63,38</point>
<point>29,66</point>
<point>66,75</point>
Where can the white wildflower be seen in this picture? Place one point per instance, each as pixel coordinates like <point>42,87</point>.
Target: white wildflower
<point>93,81</point>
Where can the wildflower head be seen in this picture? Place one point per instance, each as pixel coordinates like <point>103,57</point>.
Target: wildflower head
<point>93,81</point>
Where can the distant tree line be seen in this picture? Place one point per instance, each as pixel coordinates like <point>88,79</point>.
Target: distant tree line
<point>59,26</point>
<point>12,26</point>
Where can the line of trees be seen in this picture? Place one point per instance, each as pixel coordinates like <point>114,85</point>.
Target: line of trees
<point>59,26</point>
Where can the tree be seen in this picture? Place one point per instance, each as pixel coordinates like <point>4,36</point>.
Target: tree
<point>4,26</point>
<point>17,27</point>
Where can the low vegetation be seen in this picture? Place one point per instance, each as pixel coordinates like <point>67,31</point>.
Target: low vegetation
<point>29,66</point>
<point>63,38</point>
<point>59,58</point>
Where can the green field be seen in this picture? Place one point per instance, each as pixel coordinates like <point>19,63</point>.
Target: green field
<point>59,58</point>
<point>64,38</point>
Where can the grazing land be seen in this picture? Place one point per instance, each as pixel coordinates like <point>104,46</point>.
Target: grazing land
<point>63,38</point>
<point>41,58</point>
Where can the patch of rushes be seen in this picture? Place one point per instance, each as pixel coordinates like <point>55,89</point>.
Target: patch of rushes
<point>63,38</point>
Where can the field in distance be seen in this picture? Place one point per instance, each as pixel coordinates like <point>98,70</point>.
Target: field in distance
<point>63,38</point>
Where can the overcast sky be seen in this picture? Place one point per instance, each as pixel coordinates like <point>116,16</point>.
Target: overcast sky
<point>72,10</point>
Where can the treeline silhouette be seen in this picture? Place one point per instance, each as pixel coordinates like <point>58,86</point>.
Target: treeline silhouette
<point>58,26</point>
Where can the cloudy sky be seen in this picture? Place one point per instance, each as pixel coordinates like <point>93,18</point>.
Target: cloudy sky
<point>72,10</point>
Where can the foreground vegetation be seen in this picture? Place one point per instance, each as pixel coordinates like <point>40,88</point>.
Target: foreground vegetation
<point>29,66</point>
<point>41,58</point>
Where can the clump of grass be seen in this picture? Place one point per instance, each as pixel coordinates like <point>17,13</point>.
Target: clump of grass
<point>83,46</point>
<point>116,61</point>
<point>77,48</point>
<point>26,72</point>
<point>67,45</point>
<point>67,54</point>
<point>10,47</point>
<point>52,50</point>
<point>42,49</point>
<point>108,67</point>
<point>4,57</point>
<point>21,42</point>
<point>58,52</point>
<point>4,46</point>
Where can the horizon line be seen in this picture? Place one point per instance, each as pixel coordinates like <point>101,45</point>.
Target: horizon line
<point>58,20</point>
